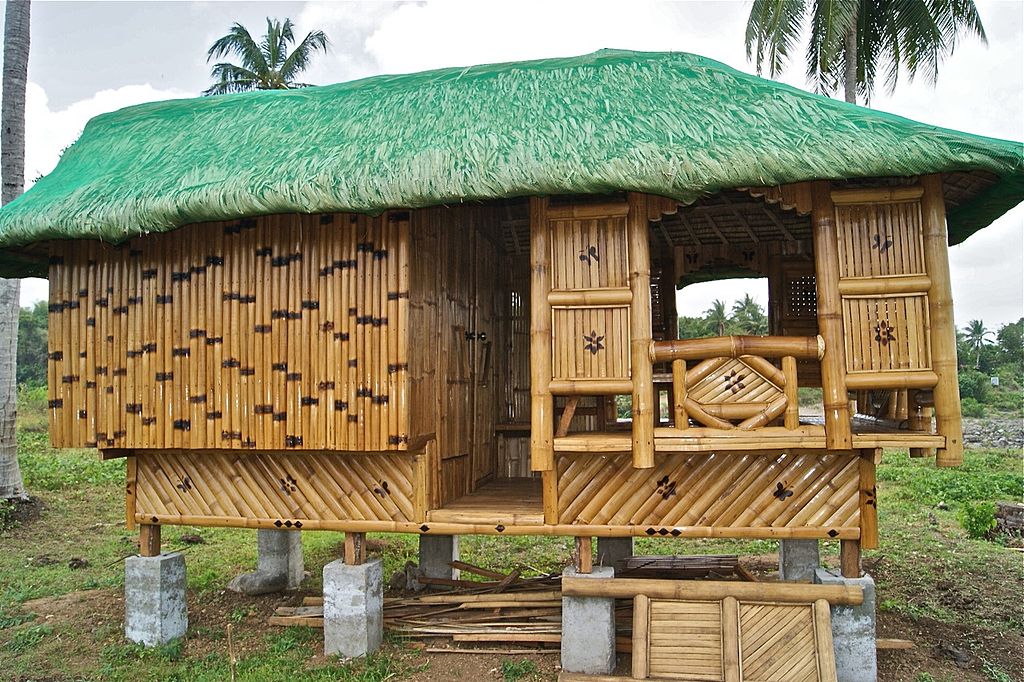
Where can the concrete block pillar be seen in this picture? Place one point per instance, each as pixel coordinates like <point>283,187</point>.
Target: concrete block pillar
<point>588,628</point>
<point>611,550</point>
<point>353,608</point>
<point>436,552</point>
<point>853,630</point>
<point>154,598</point>
<point>278,564</point>
<point>798,560</point>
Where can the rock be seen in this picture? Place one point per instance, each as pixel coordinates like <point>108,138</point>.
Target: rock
<point>75,563</point>
<point>959,656</point>
<point>190,539</point>
<point>42,560</point>
<point>942,505</point>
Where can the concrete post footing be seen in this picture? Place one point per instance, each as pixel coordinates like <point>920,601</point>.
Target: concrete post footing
<point>853,630</point>
<point>353,608</point>
<point>436,554</point>
<point>278,564</point>
<point>588,628</point>
<point>798,560</point>
<point>155,612</point>
<point>612,550</point>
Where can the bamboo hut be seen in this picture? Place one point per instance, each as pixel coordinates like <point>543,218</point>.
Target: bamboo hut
<point>406,303</point>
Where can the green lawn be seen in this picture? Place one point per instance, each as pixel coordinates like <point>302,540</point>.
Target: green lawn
<point>927,569</point>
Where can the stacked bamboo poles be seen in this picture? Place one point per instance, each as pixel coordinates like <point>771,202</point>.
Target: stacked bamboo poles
<point>264,333</point>
<point>943,337</point>
<point>641,369</point>
<point>838,434</point>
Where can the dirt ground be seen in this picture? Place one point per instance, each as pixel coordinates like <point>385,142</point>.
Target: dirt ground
<point>944,651</point>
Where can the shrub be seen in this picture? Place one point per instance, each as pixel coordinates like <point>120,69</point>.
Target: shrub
<point>978,519</point>
<point>970,407</point>
<point>974,384</point>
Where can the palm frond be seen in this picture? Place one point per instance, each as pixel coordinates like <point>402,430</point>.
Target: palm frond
<point>239,42</point>
<point>298,60</point>
<point>231,78</point>
<point>773,27</point>
<point>831,20</point>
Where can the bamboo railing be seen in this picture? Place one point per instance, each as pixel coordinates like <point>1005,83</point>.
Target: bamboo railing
<point>733,381</point>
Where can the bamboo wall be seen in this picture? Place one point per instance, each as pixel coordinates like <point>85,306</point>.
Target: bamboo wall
<point>271,333</point>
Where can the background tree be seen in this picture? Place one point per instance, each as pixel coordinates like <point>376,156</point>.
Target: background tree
<point>717,317</point>
<point>32,345</point>
<point>748,317</point>
<point>854,42</point>
<point>12,170</point>
<point>977,336</point>
<point>266,65</point>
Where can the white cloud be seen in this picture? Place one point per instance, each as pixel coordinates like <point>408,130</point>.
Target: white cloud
<point>48,132</point>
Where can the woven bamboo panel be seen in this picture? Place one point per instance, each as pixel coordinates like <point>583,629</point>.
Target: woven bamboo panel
<point>685,640</point>
<point>777,643</point>
<point>589,253</point>
<point>292,488</point>
<point>810,489</point>
<point>886,333</point>
<point>590,343</point>
<point>270,333</point>
<point>880,240</point>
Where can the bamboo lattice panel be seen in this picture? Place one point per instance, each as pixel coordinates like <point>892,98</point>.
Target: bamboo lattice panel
<point>270,333</point>
<point>290,490</point>
<point>589,253</point>
<point>884,334</point>
<point>726,639</point>
<point>751,491</point>
<point>599,346</point>
<point>880,240</point>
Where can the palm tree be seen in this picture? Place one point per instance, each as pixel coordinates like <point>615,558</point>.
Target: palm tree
<point>266,65</point>
<point>850,40</point>
<point>749,316</point>
<point>976,336</point>
<point>717,317</point>
<point>12,170</point>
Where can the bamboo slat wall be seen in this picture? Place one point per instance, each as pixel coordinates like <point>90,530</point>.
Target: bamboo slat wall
<point>271,333</point>
<point>752,491</point>
<point>290,489</point>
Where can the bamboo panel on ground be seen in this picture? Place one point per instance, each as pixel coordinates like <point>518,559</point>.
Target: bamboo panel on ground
<point>293,488</point>
<point>234,335</point>
<point>745,490</point>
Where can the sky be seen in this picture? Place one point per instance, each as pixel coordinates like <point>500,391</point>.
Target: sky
<point>91,57</point>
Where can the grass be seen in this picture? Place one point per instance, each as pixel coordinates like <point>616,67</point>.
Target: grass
<point>926,568</point>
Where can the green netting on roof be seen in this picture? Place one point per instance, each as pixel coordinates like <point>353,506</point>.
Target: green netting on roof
<point>672,124</point>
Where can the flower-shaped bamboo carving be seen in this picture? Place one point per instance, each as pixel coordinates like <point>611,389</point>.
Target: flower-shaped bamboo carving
<point>589,255</point>
<point>592,342</point>
<point>733,381</point>
<point>884,333</point>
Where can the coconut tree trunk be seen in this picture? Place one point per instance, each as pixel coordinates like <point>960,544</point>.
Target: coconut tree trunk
<point>12,177</point>
<point>850,76</point>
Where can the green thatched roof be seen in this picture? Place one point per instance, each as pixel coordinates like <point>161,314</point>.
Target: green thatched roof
<point>672,124</point>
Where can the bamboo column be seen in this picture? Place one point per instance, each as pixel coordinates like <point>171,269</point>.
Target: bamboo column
<point>838,434</point>
<point>542,411</point>
<point>943,332</point>
<point>641,369</point>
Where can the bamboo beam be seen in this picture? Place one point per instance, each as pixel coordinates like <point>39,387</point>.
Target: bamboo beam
<point>711,590</point>
<point>943,332</point>
<point>838,434</point>
<point>590,387</point>
<point>549,495</point>
<point>885,286</point>
<point>641,369</point>
<point>802,347</point>
<point>895,379</point>
<point>149,539</point>
<point>875,195</point>
<point>542,453</point>
<point>617,296</point>
<point>568,412</point>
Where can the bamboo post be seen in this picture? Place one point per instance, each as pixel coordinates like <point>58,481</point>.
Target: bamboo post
<point>542,454</point>
<point>149,539</point>
<point>823,641</point>
<point>920,419</point>
<point>641,636</point>
<point>943,332</point>
<point>680,419</point>
<point>849,558</point>
<point>868,501</point>
<point>584,554</point>
<point>641,368</point>
<point>792,418</point>
<point>838,434</point>
<point>731,639</point>
<point>355,548</point>
<point>549,492</point>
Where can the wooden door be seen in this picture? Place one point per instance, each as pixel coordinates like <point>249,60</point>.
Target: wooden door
<point>487,265</point>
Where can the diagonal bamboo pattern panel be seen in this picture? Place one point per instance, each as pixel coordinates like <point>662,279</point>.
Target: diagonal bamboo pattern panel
<point>269,333</point>
<point>291,487</point>
<point>777,643</point>
<point>740,490</point>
